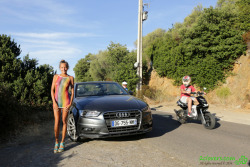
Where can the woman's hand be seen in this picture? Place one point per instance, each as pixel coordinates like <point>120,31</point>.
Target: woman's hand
<point>67,107</point>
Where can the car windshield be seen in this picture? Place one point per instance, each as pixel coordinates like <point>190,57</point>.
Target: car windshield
<point>99,89</point>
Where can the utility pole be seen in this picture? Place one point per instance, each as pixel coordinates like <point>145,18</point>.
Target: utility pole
<point>139,48</point>
<point>142,15</point>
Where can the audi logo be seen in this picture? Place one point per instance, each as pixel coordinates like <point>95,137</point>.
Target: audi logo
<point>122,114</point>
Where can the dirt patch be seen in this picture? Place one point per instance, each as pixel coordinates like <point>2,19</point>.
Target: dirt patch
<point>165,88</point>
<point>238,84</point>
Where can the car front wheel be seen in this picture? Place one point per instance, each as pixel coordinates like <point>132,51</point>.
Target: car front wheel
<point>71,128</point>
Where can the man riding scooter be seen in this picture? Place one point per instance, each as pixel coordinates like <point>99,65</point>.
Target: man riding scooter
<point>186,97</point>
<point>194,112</point>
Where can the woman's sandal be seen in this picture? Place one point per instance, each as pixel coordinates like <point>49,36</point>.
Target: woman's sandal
<point>61,148</point>
<point>56,147</point>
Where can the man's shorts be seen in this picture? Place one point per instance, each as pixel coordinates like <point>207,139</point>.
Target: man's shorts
<point>184,99</point>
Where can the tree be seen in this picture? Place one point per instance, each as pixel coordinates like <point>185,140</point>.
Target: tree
<point>244,14</point>
<point>9,61</point>
<point>114,64</point>
<point>28,65</point>
<point>99,66</point>
<point>116,55</point>
<point>28,83</point>
<point>24,87</point>
<point>81,69</point>
<point>148,40</point>
<point>127,72</point>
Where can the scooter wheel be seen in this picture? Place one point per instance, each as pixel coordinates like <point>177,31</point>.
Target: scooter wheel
<point>181,120</point>
<point>210,121</point>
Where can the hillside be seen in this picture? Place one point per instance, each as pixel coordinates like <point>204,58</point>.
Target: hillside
<point>234,93</point>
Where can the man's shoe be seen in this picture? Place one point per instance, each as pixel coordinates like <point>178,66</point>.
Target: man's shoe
<point>190,115</point>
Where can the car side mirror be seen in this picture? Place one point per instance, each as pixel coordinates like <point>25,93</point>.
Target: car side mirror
<point>131,92</point>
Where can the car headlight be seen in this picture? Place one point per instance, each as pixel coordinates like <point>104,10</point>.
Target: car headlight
<point>146,109</point>
<point>84,113</point>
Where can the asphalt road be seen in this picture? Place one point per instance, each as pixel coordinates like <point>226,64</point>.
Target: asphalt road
<point>169,144</point>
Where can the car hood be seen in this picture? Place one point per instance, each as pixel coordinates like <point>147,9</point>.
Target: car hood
<point>109,103</point>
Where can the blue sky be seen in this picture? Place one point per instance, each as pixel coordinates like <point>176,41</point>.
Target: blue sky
<point>52,30</point>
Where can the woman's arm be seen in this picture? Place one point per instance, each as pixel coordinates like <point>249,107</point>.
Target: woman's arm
<point>72,89</point>
<point>53,92</point>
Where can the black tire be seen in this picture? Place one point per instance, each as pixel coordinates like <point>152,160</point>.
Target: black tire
<point>182,121</point>
<point>71,128</point>
<point>210,121</point>
<point>179,115</point>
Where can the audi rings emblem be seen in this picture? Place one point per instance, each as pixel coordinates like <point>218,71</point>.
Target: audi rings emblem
<point>122,114</point>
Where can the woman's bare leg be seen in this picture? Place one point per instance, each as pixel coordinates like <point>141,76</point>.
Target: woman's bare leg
<point>64,120</point>
<point>57,114</point>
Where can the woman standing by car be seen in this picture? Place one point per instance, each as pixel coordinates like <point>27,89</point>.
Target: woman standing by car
<point>62,100</point>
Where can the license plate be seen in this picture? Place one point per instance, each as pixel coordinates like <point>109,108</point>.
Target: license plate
<point>124,122</point>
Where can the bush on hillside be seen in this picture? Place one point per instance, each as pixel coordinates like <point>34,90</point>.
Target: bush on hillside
<point>223,93</point>
<point>206,52</point>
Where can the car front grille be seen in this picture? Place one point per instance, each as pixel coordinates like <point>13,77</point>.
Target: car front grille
<point>111,116</point>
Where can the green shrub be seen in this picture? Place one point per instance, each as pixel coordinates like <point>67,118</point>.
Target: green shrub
<point>223,92</point>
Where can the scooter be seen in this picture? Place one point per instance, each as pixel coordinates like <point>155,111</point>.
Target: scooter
<point>199,112</point>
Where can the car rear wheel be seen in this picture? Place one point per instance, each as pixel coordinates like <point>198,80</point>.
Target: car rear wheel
<point>71,128</point>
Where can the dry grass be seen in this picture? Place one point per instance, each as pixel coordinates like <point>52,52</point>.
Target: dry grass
<point>238,85</point>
